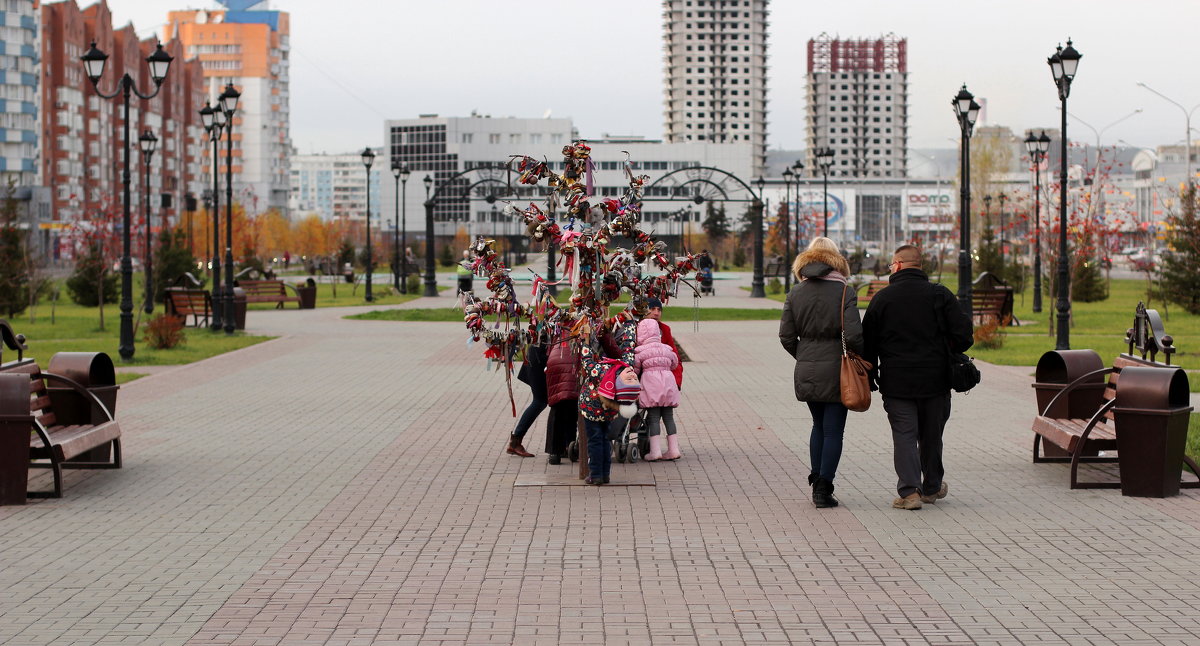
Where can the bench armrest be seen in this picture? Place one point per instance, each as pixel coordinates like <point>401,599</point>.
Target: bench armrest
<point>1071,386</point>
<point>84,392</point>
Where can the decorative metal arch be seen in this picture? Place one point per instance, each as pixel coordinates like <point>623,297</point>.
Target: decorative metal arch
<point>707,183</point>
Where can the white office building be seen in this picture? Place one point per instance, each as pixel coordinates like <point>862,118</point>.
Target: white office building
<point>334,187</point>
<point>439,147</point>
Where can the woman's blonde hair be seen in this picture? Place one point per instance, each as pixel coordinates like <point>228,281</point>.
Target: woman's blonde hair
<point>824,244</point>
<point>824,250</point>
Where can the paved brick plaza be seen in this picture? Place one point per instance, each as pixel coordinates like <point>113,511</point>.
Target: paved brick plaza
<point>345,484</point>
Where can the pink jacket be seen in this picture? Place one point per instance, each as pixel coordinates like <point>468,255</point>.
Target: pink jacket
<point>655,360</point>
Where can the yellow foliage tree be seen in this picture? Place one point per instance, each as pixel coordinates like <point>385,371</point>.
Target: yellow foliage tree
<point>310,236</point>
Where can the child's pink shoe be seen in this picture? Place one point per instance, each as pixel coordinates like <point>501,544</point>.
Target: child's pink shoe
<point>672,448</point>
<point>655,453</point>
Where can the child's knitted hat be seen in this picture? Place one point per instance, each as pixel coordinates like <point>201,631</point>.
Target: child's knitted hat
<point>620,384</point>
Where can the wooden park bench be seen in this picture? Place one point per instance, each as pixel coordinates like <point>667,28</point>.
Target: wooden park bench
<point>873,288</point>
<point>776,268</point>
<point>1077,423</point>
<point>269,291</point>
<point>69,425</point>
<point>988,307</point>
<point>185,302</point>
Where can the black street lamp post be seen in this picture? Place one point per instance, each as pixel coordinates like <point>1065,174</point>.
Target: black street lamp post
<point>93,64</point>
<point>228,106</point>
<point>1000,240</point>
<point>1037,148</point>
<point>787,227</point>
<point>825,161</point>
<point>1063,65</point>
<point>214,122</point>
<point>757,289</point>
<point>401,173</point>
<point>148,142</point>
<point>368,158</point>
<point>796,169</point>
<point>967,111</point>
<point>430,278</point>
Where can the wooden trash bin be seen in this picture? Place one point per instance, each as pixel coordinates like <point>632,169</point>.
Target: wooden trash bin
<point>95,372</point>
<point>1055,370</point>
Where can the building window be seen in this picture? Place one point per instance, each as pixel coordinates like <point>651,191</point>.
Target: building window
<point>466,137</point>
<point>494,138</point>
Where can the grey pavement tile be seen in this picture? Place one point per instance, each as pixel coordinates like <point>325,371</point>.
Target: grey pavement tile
<point>346,484</point>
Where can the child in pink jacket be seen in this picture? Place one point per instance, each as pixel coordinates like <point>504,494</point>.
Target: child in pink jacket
<point>655,360</point>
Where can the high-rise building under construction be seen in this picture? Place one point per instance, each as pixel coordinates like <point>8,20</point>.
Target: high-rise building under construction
<point>716,81</point>
<point>857,100</point>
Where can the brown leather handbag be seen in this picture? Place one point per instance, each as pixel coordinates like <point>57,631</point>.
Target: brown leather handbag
<point>855,382</point>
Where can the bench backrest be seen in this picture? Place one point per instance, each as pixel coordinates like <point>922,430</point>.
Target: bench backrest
<point>1124,361</point>
<point>188,301</point>
<point>39,398</point>
<point>262,287</point>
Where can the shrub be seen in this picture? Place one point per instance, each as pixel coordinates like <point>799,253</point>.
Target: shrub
<point>172,260</point>
<point>447,257</point>
<point>739,256</point>
<point>774,286</point>
<point>91,279</point>
<point>164,332</point>
<point>991,334</point>
<point>414,284</point>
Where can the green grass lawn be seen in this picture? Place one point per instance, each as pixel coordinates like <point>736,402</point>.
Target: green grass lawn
<point>346,295</point>
<point>1193,439</point>
<point>67,327</point>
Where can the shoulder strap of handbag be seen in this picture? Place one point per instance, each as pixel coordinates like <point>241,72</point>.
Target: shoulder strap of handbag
<point>842,309</point>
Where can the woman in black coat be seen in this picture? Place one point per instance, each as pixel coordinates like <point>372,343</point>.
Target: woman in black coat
<point>533,373</point>
<point>811,332</point>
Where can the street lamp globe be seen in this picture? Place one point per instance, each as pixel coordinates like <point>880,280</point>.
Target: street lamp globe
<point>160,62</point>
<point>1031,145</point>
<point>1043,143</point>
<point>219,117</point>
<point>93,63</point>
<point>206,116</point>
<point>1069,58</point>
<point>229,99</point>
<point>147,142</point>
<point>397,168</point>
<point>963,100</point>
<point>428,182</point>
<point>368,157</point>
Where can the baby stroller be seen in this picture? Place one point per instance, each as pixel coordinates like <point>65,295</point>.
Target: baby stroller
<point>705,276</point>
<point>628,439</point>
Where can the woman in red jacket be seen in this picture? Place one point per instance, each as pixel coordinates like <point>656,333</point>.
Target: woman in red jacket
<point>562,393</point>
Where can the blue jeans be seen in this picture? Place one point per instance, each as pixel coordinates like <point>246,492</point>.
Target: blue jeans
<point>535,408</point>
<point>825,443</point>
<point>598,447</point>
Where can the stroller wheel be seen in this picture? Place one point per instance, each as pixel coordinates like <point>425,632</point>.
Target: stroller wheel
<point>622,453</point>
<point>573,451</point>
<point>633,454</point>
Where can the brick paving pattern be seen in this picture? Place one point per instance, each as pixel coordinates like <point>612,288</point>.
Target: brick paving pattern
<point>345,484</point>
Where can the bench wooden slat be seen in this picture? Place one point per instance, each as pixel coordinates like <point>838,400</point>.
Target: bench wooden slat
<point>71,441</point>
<point>267,291</point>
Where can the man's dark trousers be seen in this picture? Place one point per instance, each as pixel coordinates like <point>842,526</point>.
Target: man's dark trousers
<point>917,426</point>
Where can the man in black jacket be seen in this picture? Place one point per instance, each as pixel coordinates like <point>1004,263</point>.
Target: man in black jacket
<point>910,348</point>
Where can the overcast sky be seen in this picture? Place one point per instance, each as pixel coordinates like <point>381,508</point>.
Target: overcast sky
<point>358,62</point>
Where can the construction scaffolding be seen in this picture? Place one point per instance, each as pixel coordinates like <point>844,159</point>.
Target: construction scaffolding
<point>830,54</point>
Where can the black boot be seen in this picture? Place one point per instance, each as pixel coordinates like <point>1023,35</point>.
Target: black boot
<point>812,478</point>
<point>823,494</point>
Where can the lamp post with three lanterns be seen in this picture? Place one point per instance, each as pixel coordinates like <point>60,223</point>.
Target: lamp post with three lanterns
<point>93,64</point>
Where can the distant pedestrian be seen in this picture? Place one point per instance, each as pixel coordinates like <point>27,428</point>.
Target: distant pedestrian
<point>532,373</point>
<point>660,395</point>
<point>811,332</point>
<point>905,340</point>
